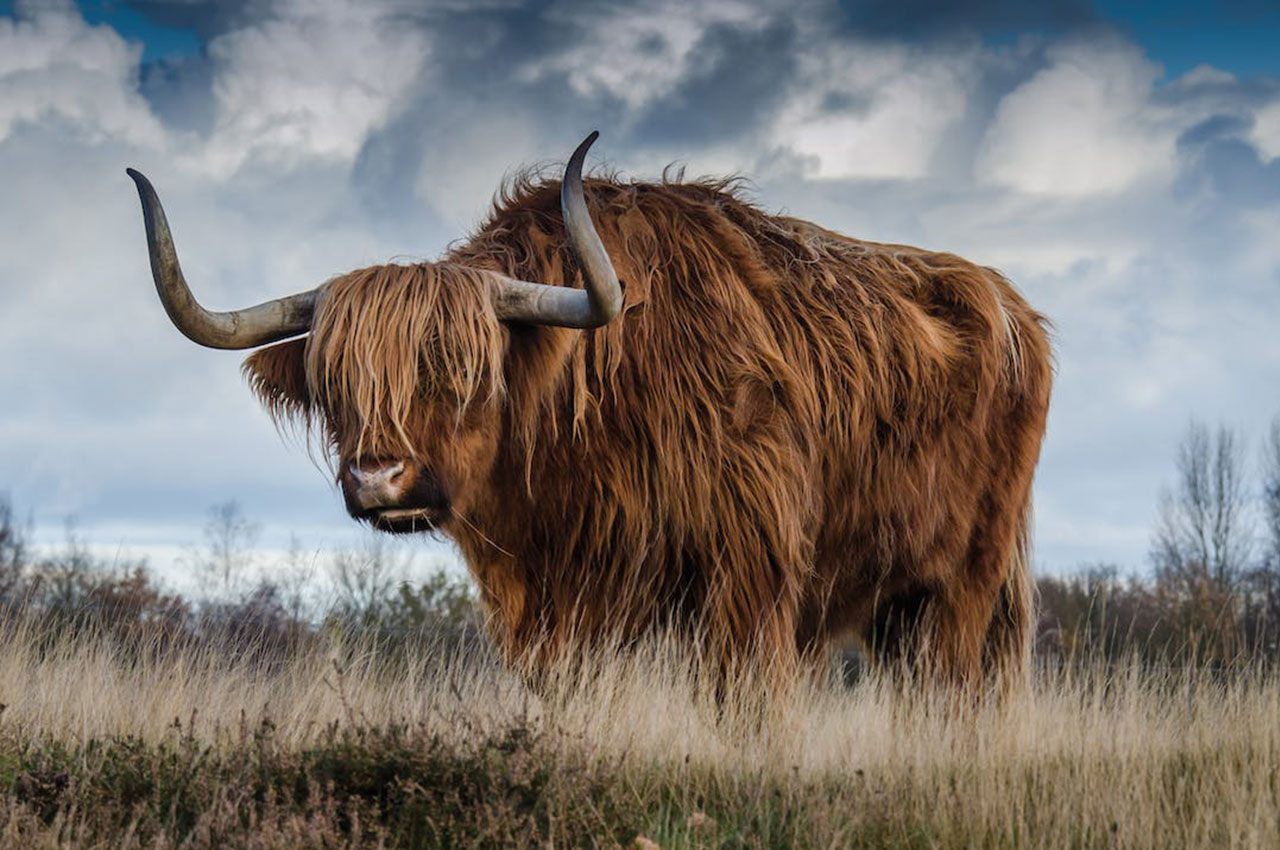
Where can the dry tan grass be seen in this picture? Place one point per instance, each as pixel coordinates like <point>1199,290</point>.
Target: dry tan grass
<point>1098,757</point>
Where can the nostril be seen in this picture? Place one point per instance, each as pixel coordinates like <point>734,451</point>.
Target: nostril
<point>371,484</point>
<point>363,475</point>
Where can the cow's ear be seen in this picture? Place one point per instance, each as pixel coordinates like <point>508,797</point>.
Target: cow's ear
<point>278,377</point>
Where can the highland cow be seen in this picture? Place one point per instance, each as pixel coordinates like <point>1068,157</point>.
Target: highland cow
<point>653,405</point>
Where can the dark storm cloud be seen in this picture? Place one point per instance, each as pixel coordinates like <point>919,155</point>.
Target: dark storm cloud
<point>1223,162</point>
<point>737,73</point>
<point>207,18</point>
<point>1241,94</point>
<point>737,79</point>
<point>1214,129</point>
<point>481,61</point>
<point>478,55</point>
<point>932,17</point>
<point>181,92</point>
<point>737,76</point>
<point>479,45</point>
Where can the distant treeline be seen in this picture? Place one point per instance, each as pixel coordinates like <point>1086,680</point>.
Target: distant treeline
<point>1211,596</point>
<point>1212,593</point>
<point>369,592</point>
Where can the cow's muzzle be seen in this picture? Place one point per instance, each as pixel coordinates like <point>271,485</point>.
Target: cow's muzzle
<point>393,495</point>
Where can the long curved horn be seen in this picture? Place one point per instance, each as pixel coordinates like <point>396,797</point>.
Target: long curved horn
<point>540,304</point>
<point>248,328</point>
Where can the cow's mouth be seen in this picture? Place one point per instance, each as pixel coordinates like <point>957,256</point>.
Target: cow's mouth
<point>405,520</point>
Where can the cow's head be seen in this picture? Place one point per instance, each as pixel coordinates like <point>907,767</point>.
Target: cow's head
<point>402,367</point>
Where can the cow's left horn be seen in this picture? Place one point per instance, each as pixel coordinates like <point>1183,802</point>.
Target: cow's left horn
<point>600,301</point>
<point>247,328</point>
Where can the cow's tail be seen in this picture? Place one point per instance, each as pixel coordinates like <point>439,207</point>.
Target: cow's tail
<point>1012,630</point>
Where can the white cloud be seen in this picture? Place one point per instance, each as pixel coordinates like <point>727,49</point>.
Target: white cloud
<point>1030,237</point>
<point>1265,133</point>
<point>871,110</point>
<point>56,68</point>
<point>310,82</point>
<point>1205,75</point>
<point>1085,125</point>
<point>1260,258</point>
<point>461,170</point>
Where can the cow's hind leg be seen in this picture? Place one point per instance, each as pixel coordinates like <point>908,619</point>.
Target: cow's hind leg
<point>956,636</point>
<point>895,632</point>
<point>1006,651</point>
<point>931,634</point>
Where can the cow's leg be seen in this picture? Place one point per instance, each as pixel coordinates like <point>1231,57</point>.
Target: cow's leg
<point>749,628</point>
<point>956,631</point>
<point>894,633</point>
<point>994,610</point>
<point>1006,650</point>
<point>932,633</point>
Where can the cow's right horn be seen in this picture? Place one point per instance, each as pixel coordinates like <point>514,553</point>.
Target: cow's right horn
<point>253,326</point>
<point>600,301</point>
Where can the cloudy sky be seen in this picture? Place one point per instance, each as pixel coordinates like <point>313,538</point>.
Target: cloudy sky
<point>1119,160</point>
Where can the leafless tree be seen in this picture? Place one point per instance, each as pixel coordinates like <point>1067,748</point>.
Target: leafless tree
<point>295,576</point>
<point>62,578</point>
<point>366,577</point>
<point>227,555</point>
<point>1203,543</point>
<point>1204,533</point>
<point>1271,496</point>
<point>1263,592</point>
<point>13,551</point>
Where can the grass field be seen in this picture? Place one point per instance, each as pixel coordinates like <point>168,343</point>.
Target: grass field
<point>104,746</point>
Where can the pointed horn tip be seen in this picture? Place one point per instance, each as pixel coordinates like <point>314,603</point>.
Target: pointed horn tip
<point>581,153</point>
<point>140,179</point>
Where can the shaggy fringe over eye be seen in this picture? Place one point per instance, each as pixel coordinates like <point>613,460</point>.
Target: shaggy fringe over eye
<point>387,335</point>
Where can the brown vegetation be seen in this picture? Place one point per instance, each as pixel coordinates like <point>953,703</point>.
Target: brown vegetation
<point>344,747</point>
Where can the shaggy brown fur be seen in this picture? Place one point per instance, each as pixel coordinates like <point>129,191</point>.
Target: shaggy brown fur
<point>788,436</point>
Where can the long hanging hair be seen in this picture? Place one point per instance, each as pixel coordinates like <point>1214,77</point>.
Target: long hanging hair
<point>769,389</point>
<point>388,338</point>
